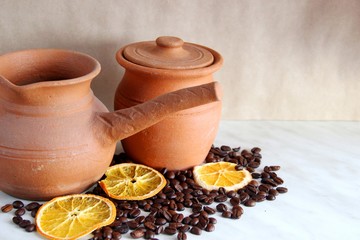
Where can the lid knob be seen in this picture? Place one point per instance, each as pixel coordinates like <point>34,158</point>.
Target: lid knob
<point>169,42</point>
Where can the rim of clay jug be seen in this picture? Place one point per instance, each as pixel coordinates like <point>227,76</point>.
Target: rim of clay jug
<point>94,68</point>
<point>181,73</point>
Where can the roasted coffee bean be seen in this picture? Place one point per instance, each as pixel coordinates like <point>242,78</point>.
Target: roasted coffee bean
<point>20,212</point>
<point>265,175</point>
<point>7,208</point>
<point>185,228</point>
<point>194,215</point>
<point>209,210</point>
<point>30,228</point>
<point>197,207</point>
<point>274,168</point>
<point>253,183</point>
<point>149,218</point>
<point>125,206</point>
<point>33,213</point>
<point>202,225</point>
<point>181,236</point>
<point>210,227</point>
<point>181,178</point>
<point>149,234</point>
<point>267,169</point>
<point>186,220</point>
<point>220,198</point>
<point>259,197</point>
<point>270,197</point>
<point>218,152</point>
<point>170,175</point>
<point>188,203</point>
<point>238,208</point>
<point>254,164</point>
<point>208,200</point>
<point>195,230</point>
<point>225,148</point>
<point>243,197</point>
<point>282,189</point>
<point>133,224</point>
<point>107,232</point>
<point>161,195</point>
<point>150,225</point>
<point>278,180</point>
<point>212,220</point>
<point>31,206</point>
<point>147,207</point>
<point>141,203</point>
<point>250,169</point>
<point>159,229</point>
<point>250,203</point>
<point>172,205</point>
<point>180,207</point>
<point>256,150</point>
<point>156,206</point>
<point>194,221</point>
<point>138,233</point>
<point>140,219</point>
<point>175,225</point>
<point>134,213</point>
<point>239,166</point>
<point>97,236</point>
<point>24,223</point>
<point>237,149</point>
<point>210,158</point>
<point>18,204</point>
<point>221,207</point>
<point>160,221</point>
<point>116,223</point>
<point>231,194</point>
<point>170,231</point>
<point>167,215</point>
<point>178,217</point>
<point>17,219</point>
<point>123,228</point>
<point>235,201</point>
<point>273,192</point>
<point>116,236</point>
<point>190,182</point>
<point>264,187</point>
<point>269,181</point>
<point>226,214</point>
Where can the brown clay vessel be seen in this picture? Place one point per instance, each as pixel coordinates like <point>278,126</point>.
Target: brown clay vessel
<point>56,137</point>
<point>152,68</point>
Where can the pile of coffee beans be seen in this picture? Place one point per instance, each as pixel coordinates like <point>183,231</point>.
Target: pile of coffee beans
<point>19,209</point>
<point>165,212</point>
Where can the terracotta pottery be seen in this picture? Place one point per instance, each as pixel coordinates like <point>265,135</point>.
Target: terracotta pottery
<point>152,68</point>
<point>56,137</point>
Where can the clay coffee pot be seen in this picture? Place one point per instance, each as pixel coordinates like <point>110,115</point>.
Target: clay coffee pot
<point>56,137</point>
<point>152,68</point>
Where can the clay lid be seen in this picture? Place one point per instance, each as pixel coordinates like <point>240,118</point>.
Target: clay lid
<point>168,53</point>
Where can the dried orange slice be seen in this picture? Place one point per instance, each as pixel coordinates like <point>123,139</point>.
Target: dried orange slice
<point>131,181</point>
<point>74,216</point>
<point>221,174</point>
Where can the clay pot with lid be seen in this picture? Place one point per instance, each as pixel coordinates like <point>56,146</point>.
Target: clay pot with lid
<point>152,68</point>
<point>56,137</point>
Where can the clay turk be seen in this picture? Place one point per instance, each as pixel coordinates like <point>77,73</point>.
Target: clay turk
<point>56,137</point>
<point>152,68</point>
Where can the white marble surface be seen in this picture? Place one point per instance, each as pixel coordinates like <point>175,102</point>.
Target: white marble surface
<point>320,165</point>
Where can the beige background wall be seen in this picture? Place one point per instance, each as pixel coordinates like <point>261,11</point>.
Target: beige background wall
<point>297,60</point>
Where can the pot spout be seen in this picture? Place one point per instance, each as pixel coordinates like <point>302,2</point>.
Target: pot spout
<point>126,122</point>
